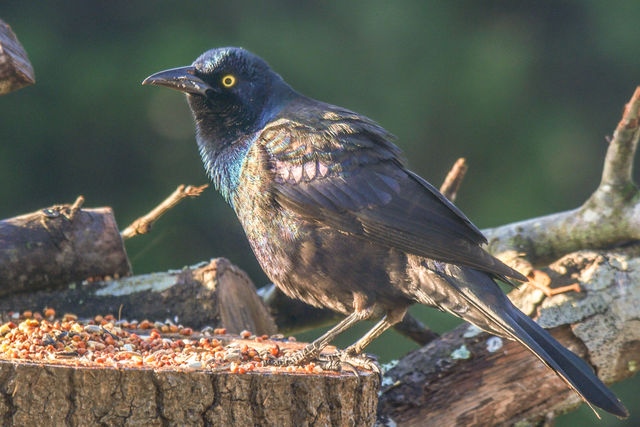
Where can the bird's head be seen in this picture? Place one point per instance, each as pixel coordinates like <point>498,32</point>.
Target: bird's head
<point>231,92</point>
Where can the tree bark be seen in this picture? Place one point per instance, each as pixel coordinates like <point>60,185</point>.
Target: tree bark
<point>57,246</point>
<point>468,377</point>
<point>216,294</point>
<point>15,68</point>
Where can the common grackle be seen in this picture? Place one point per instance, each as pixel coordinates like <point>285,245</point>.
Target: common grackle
<point>336,219</point>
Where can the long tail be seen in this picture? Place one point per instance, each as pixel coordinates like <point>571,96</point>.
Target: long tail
<point>572,369</point>
<point>494,312</point>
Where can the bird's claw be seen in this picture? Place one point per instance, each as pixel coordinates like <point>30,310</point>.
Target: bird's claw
<point>296,358</point>
<point>343,360</point>
<point>339,361</point>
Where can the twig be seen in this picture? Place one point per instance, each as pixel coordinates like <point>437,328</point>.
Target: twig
<point>143,224</point>
<point>608,217</point>
<point>76,206</point>
<point>454,178</point>
<point>618,163</point>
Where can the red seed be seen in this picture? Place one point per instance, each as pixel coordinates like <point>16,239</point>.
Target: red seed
<point>274,350</point>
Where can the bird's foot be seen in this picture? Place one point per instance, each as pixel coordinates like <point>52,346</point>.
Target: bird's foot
<point>346,360</point>
<point>296,358</point>
<point>341,360</point>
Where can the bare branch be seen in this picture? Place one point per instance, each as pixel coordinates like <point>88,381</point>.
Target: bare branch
<point>143,224</point>
<point>610,216</point>
<point>454,178</point>
<point>618,163</point>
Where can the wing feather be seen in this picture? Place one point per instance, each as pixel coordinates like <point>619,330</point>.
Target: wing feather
<point>366,190</point>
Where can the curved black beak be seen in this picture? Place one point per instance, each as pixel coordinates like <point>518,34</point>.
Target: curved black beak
<point>183,79</point>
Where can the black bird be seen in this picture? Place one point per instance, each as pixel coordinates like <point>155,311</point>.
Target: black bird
<point>336,218</point>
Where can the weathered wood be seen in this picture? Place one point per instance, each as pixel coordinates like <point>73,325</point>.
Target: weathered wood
<point>15,69</point>
<point>54,395</point>
<point>471,378</point>
<point>216,294</point>
<point>59,245</point>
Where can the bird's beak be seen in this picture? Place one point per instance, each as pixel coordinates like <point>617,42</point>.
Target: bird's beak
<point>183,79</point>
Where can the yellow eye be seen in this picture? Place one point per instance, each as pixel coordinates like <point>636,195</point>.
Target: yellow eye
<point>228,80</point>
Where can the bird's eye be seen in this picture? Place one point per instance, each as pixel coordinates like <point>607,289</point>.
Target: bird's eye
<point>228,80</point>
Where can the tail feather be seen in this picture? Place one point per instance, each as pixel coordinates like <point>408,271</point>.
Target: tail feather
<point>505,319</point>
<point>572,369</point>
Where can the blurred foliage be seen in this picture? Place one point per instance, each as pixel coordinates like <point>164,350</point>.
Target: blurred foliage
<point>526,92</point>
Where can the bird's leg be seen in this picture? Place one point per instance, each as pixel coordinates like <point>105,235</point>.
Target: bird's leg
<point>312,350</point>
<point>352,356</point>
<point>392,317</point>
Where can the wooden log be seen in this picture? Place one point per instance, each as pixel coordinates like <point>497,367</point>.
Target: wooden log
<point>15,69</point>
<point>468,377</point>
<point>216,294</point>
<point>59,245</point>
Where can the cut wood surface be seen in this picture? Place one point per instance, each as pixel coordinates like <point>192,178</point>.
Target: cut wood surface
<point>59,245</point>
<point>215,294</point>
<point>15,69</point>
<point>468,377</point>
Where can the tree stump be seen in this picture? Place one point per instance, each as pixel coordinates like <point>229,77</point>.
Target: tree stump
<point>89,390</point>
<point>51,395</point>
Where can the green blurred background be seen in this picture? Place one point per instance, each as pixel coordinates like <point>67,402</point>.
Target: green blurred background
<point>527,93</point>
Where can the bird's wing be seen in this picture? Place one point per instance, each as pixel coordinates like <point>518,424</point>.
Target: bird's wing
<point>340,169</point>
